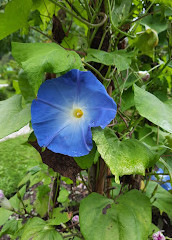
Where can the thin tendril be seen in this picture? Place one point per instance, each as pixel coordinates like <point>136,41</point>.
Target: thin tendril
<point>81,19</point>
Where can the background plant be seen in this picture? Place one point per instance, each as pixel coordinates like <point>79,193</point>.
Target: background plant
<point>127,45</point>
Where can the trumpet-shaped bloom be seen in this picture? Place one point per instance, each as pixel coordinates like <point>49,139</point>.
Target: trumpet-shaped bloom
<point>65,110</point>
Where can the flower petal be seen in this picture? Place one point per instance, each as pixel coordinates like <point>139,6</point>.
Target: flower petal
<point>46,121</point>
<point>93,96</point>
<point>167,186</point>
<point>101,111</point>
<point>74,140</point>
<point>58,91</point>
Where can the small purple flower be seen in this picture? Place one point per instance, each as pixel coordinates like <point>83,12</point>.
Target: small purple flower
<point>67,108</point>
<point>158,236</point>
<point>75,218</point>
<point>1,194</point>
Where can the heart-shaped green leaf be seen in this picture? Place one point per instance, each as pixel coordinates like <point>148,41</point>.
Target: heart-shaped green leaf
<point>128,218</point>
<point>38,58</point>
<point>123,158</point>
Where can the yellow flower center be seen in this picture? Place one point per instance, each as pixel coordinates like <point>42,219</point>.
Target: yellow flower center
<point>77,113</point>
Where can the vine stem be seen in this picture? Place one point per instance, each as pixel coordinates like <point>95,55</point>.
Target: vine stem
<point>85,183</point>
<point>73,8</point>
<point>19,213</point>
<point>123,119</point>
<point>165,65</point>
<point>113,25</point>
<point>102,39</point>
<point>37,30</point>
<point>166,155</point>
<point>145,15</point>
<point>146,184</point>
<point>96,13</point>
<point>73,235</point>
<point>68,49</point>
<point>145,136</point>
<point>108,171</point>
<point>87,9</point>
<point>150,174</point>
<point>81,19</point>
<point>96,71</point>
<point>49,201</point>
<point>160,71</point>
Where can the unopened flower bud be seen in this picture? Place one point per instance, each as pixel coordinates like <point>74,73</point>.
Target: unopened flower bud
<point>4,202</point>
<point>144,75</point>
<point>158,236</point>
<point>75,218</point>
<point>153,37</point>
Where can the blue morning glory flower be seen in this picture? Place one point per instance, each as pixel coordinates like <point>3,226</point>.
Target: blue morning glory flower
<point>65,110</point>
<point>163,178</point>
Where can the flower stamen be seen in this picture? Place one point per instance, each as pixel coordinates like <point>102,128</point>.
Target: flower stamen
<point>78,113</point>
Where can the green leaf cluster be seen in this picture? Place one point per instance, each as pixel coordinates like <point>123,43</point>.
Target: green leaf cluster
<point>129,44</point>
<point>101,218</point>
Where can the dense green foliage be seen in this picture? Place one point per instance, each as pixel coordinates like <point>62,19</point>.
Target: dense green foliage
<point>127,44</point>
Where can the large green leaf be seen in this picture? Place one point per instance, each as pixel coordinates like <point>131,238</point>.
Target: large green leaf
<point>10,227</point>
<point>12,116</point>
<point>37,229</point>
<point>128,218</point>
<point>153,109</point>
<point>162,199</point>
<point>4,215</point>
<point>121,59</point>
<point>38,58</point>
<point>123,158</point>
<point>14,17</point>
